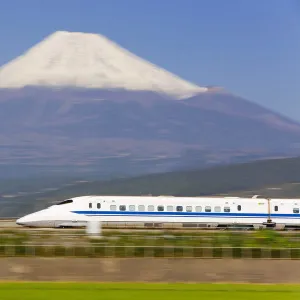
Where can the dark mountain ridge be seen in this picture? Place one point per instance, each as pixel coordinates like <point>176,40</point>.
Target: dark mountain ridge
<point>81,127</point>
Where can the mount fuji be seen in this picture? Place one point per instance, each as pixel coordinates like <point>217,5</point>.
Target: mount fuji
<point>88,60</point>
<point>78,102</point>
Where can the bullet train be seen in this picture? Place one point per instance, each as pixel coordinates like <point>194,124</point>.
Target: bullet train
<point>255,212</point>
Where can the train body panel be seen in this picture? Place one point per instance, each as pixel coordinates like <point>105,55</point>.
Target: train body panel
<point>164,209</point>
<point>285,211</point>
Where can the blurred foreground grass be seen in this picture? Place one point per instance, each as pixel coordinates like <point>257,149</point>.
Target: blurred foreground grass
<point>119,291</point>
<point>253,244</point>
<point>260,238</point>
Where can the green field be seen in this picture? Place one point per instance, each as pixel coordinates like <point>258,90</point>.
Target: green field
<point>91,291</point>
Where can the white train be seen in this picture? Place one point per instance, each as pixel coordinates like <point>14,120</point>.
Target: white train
<point>208,211</point>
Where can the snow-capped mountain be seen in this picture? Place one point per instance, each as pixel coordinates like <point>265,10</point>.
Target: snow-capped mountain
<point>80,101</point>
<point>75,59</point>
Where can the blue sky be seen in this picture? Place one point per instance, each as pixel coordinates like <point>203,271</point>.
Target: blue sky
<point>250,47</point>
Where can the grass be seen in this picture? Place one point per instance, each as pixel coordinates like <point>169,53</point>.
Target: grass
<point>159,244</point>
<point>145,291</point>
<point>262,238</point>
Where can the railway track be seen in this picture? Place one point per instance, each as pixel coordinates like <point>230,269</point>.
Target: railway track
<point>9,224</point>
<point>132,230</point>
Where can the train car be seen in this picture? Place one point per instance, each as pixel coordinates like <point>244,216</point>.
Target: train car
<point>209,211</point>
<point>284,212</point>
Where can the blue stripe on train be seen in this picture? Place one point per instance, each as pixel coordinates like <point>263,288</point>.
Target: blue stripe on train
<point>183,214</point>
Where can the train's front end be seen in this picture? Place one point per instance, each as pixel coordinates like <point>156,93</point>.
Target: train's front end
<point>42,218</point>
<point>55,216</point>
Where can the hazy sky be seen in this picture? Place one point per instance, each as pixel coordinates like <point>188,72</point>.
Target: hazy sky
<point>250,47</point>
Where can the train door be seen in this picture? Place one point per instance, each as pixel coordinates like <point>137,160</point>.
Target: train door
<point>277,210</point>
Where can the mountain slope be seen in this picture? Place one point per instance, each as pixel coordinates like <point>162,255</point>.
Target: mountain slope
<point>70,127</point>
<point>216,180</point>
<point>274,178</point>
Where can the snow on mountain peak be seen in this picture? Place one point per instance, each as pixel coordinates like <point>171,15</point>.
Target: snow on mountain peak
<point>87,60</point>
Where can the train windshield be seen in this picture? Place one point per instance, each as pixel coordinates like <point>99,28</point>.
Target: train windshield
<point>65,202</point>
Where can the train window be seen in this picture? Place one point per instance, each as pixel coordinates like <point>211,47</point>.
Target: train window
<point>226,209</point>
<point>90,205</point>
<point>179,208</point>
<point>122,207</point>
<point>65,202</point>
<point>276,208</point>
<point>150,208</point>
<point>198,208</point>
<point>189,209</point>
<point>113,207</point>
<point>169,208</point>
<point>239,207</point>
<point>207,209</point>
<point>160,208</point>
<point>141,208</point>
<point>217,208</point>
<point>296,210</point>
<point>132,207</point>
<point>98,205</point>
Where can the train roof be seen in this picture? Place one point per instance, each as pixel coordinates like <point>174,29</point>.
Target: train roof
<point>89,197</point>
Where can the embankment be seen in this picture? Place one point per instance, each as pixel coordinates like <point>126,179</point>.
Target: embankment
<point>150,270</point>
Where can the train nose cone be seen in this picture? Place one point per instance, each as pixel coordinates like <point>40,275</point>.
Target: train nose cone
<point>23,221</point>
<point>20,221</point>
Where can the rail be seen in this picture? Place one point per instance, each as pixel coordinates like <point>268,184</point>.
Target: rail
<point>13,250</point>
<point>9,224</point>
